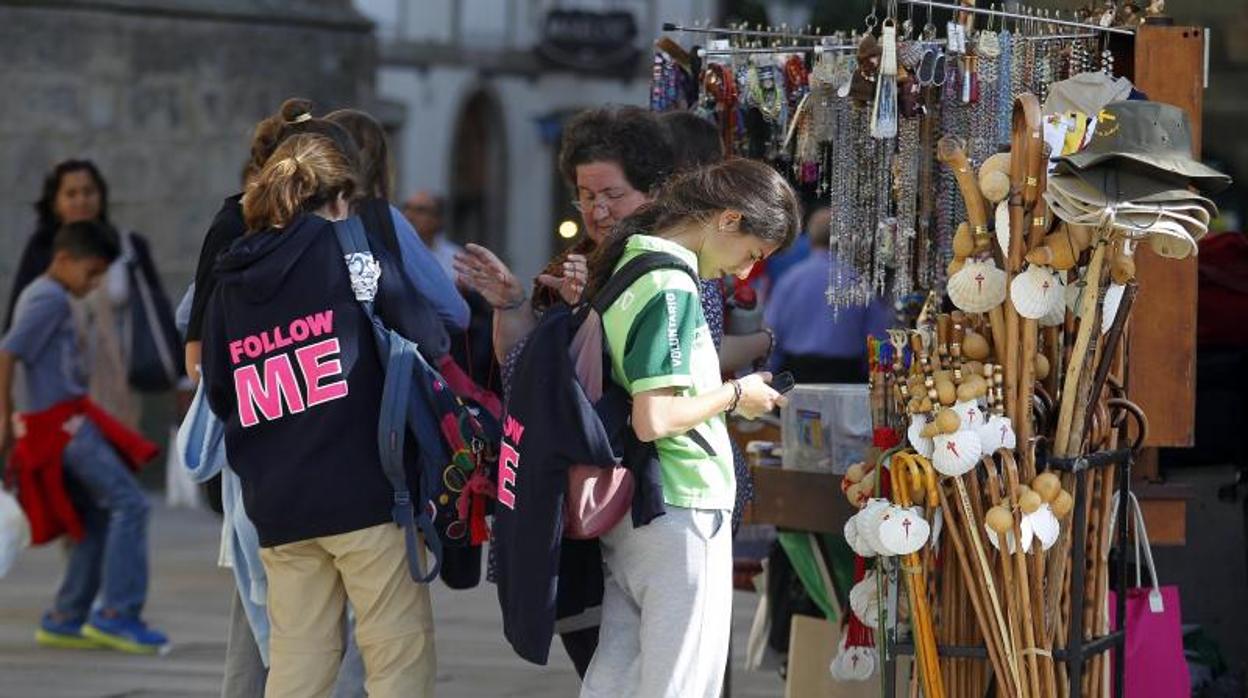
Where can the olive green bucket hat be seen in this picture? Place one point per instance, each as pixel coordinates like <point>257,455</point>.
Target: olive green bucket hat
<point>1151,138</point>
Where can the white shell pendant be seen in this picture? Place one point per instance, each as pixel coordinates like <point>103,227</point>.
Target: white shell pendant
<point>978,287</point>
<point>997,433</point>
<point>855,539</point>
<point>868,521</point>
<point>902,531</point>
<point>1002,224</point>
<point>859,663</point>
<point>1057,314</point>
<point>957,453</point>
<point>1035,292</point>
<point>837,666</point>
<point>864,601</point>
<point>1045,525</point>
<point>972,417</point>
<point>921,444</point>
<point>1113,299</point>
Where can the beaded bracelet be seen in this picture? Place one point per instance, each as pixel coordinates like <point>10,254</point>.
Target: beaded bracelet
<point>736,396</point>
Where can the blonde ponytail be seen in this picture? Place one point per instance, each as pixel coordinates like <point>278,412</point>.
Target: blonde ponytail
<point>303,174</point>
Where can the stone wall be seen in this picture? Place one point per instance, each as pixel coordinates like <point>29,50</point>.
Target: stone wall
<point>163,96</point>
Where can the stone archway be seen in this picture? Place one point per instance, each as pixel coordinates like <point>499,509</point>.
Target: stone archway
<point>477,198</point>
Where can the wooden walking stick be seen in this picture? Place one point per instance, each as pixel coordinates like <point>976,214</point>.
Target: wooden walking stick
<point>906,472</point>
<point>1039,656</point>
<point>978,593</point>
<point>1002,520</point>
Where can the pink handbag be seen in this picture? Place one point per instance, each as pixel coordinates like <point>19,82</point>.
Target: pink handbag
<point>1156,666</point>
<point>596,498</point>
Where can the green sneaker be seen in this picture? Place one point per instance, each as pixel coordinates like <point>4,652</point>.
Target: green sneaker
<point>125,635</point>
<point>65,635</point>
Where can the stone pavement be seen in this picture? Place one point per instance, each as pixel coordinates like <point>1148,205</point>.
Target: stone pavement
<point>190,600</point>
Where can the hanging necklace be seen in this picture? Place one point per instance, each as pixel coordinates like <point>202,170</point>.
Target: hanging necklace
<point>763,92</point>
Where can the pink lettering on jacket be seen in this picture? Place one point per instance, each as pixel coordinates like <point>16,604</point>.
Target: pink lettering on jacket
<point>279,382</point>
<point>315,370</point>
<point>509,462</point>
<point>279,392</point>
<point>300,329</point>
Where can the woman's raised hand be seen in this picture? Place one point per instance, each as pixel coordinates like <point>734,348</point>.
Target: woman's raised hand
<point>482,271</point>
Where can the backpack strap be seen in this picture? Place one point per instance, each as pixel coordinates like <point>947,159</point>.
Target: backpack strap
<point>634,269</point>
<point>375,213</point>
<point>400,358</point>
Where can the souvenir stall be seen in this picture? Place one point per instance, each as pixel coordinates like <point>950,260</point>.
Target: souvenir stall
<point>1024,182</point>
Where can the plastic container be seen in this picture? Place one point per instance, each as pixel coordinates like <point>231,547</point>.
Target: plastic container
<point>826,427</point>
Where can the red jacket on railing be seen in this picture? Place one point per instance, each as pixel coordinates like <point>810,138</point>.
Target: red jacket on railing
<point>36,462</point>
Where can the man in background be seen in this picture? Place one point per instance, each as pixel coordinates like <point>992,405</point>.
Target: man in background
<point>426,212</point>
<point>472,349</point>
<point>817,345</point>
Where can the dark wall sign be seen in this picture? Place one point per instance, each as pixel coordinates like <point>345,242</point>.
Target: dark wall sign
<point>602,42</point>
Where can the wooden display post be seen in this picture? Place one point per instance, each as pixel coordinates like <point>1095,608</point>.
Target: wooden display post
<point>1167,64</point>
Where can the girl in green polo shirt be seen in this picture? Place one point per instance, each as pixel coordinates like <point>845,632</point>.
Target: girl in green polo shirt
<point>668,602</point>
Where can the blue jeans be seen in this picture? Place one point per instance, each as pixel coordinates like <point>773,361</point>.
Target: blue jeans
<point>111,559</point>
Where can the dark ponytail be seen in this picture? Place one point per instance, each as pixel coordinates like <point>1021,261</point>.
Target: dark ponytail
<point>768,206</point>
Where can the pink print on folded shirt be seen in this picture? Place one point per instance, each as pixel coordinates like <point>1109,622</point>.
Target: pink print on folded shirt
<point>280,392</point>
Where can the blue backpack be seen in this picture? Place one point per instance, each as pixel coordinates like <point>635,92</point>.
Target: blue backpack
<point>456,442</point>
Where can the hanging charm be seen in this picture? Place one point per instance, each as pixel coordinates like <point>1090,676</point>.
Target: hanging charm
<point>884,114</point>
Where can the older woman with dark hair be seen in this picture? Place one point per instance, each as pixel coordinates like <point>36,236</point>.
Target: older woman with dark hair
<point>73,191</point>
<point>613,158</point>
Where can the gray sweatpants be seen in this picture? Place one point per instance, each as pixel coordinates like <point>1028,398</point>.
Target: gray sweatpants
<point>667,610</point>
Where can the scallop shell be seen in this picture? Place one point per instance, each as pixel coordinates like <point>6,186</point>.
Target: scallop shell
<point>1035,292</point>
<point>902,531</point>
<point>868,522</point>
<point>1025,528</point>
<point>921,444</point>
<point>1113,299</point>
<point>978,287</point>
<point>1001,222</point>
<point>851,535</point>
<point>837,667</point>
<point>972,417</point>
<point>1057,314</point>
<point>997,433</point>
<point>859,663</point>
<point>957,453</point>
<point>864,601</point>
<point>1045,525</point>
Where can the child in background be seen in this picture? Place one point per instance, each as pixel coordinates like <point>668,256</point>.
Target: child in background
<point>60,427</point>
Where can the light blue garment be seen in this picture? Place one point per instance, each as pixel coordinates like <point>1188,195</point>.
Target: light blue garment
<point>201,444</point>
<point>182,316</point>
<point>45,341</point>
<point>427,276</point>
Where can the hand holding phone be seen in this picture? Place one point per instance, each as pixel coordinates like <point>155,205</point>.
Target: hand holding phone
<point>783,382</point>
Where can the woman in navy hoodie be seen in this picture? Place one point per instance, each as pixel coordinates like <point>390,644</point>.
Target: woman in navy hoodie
<point>291,369</point>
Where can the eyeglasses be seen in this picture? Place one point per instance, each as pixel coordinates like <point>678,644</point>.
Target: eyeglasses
<point>587,202</point>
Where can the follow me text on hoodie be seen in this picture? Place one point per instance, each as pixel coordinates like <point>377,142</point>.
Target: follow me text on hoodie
<point>279,392</point>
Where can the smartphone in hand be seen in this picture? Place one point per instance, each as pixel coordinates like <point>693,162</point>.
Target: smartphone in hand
<point>783,382</point>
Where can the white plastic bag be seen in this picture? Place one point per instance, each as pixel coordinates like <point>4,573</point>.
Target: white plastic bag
<point>14,531</point>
